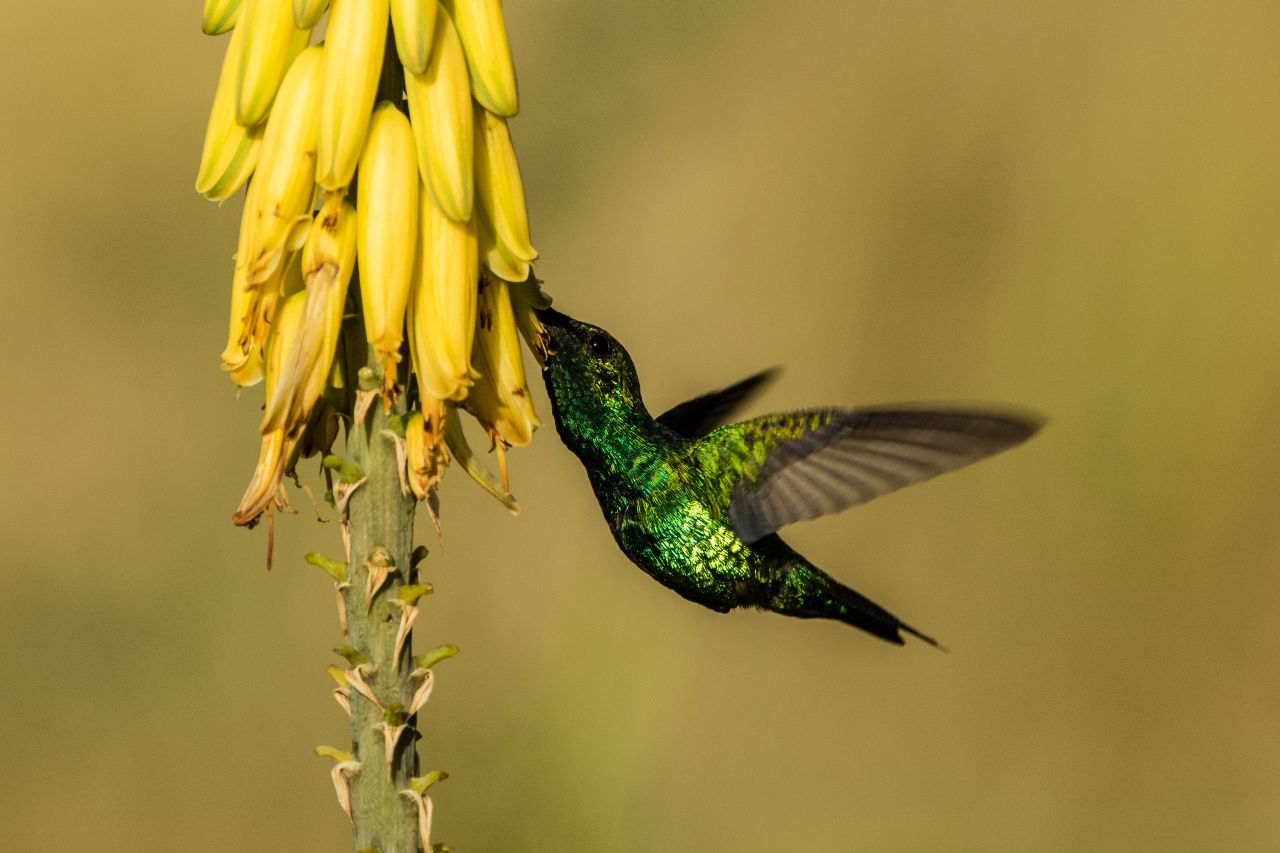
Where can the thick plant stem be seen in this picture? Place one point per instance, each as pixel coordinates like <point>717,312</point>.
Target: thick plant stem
<point>380,516</point>
<point>381,525</point>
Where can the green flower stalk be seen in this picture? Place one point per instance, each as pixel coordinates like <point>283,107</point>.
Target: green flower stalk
<point>382,282</point>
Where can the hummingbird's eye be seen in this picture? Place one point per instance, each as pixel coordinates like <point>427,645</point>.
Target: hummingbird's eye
<point>600,345</point>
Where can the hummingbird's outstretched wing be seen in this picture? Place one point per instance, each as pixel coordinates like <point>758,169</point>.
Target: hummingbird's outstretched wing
<point>783,468</point>
<point>699,416</point>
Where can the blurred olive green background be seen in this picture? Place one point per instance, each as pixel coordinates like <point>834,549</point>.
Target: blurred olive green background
<point>1067,205</point>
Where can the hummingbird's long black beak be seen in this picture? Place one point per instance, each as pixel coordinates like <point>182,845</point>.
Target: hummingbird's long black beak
<point>552,318</point>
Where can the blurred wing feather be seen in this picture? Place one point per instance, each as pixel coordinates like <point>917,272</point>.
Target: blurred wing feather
<point>803,465</point>
<point>699,416</point>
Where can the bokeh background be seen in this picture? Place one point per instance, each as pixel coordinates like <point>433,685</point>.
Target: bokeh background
<point>1067,205</point>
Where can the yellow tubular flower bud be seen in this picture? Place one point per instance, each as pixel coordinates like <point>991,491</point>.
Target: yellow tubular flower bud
<point>496,258</point>
<point>440,106</point>
<point>460,450</point>
<point>285,183</point>
<point>274,460</point>
<point>306,13</point>
<point>501,399</point>
<point>442,310</point>
<point>230,150</point>
<point>241,358</point>
<point>281,345</point>
<point>271,41</point>
<point>352,63</point>
<point>387,234</point>
<point>328,260</point>
<point>253,308</point>
<point>219,16</point>
<point>241,168</point>
<point>331,239</point>
<point>414,23</point>
<point>425,450</point>
<point>327,263</point>
<point>500,191</point>
<point>484,35</point>
<point>278,448</point>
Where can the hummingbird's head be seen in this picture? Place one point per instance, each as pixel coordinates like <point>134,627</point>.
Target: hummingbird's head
<point>590,378</point>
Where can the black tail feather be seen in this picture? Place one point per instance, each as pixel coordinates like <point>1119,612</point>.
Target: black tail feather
<point>811,593</point>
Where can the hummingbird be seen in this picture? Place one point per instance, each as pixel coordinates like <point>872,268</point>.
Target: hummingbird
<point>696,502</point>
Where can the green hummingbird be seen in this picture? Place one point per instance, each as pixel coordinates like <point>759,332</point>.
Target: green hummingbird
<point>696,502</point>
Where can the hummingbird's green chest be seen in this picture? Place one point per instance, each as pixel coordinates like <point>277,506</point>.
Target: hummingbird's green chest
<point>680,537</point>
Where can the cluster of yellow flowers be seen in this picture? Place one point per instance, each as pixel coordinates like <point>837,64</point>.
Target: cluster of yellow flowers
<point>435,222</point>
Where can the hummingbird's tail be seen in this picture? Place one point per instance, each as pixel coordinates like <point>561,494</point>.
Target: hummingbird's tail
<point>808,592</point>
